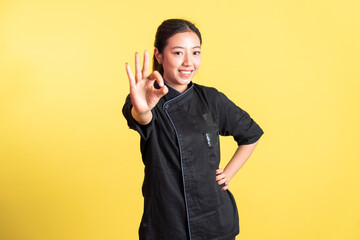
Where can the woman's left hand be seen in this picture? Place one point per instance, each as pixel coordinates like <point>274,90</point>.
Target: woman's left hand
<point>221,178</point>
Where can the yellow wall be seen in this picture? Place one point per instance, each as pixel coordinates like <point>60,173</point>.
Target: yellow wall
<point>70,168</point>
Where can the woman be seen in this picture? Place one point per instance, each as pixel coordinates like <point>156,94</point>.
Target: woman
<point>185,194</point>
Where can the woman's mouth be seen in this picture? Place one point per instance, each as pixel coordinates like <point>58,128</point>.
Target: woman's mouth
<point>185,73</point>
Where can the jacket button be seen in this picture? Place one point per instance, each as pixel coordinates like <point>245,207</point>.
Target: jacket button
<point>166,106</point>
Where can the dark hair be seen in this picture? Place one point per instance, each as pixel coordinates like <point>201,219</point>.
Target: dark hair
<point>167,29</point>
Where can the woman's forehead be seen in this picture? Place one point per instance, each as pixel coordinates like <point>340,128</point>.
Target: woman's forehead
<point>184,39</point>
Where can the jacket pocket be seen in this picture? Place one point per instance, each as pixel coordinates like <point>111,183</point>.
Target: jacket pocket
<point>207,187</point>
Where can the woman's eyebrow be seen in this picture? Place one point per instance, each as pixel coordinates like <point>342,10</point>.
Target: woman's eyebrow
<point>184,48</point>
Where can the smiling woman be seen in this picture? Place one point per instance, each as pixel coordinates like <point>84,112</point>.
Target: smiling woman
<point>185,193</point>
<point>180,59</point>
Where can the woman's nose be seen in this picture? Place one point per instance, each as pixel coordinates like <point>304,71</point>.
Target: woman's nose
<point>187,59</point>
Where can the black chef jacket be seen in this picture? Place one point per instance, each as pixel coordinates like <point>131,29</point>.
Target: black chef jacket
<point>180,151</point>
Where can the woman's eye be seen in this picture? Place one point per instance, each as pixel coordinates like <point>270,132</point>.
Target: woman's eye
<point>178,53</point>
<point>197,53</point>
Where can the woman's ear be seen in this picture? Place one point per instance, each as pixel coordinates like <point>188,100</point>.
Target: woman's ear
<point>157,55</point>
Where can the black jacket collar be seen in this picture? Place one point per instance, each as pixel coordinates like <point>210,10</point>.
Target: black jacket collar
<point>173,93</point>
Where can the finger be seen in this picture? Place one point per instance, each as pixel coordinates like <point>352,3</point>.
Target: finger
<point>138,74</point>
<point>225,188</point>
<point>158,78</point>
<point>130,76</point>
<point>145,69</point>
<point>222,181</point>
<point>220,176</point>
<point>220,170</point>
<point>161,92</point>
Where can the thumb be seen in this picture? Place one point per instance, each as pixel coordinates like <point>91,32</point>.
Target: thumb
<point>161,91</point>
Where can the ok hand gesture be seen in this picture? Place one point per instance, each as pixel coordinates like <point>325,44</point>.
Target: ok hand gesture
<point>144,96</point>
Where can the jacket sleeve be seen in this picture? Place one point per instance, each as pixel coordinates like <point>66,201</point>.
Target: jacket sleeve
<point>236,122</point>
<point>143,130</point>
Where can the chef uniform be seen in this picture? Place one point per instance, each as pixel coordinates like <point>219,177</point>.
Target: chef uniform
<point>180,151</point>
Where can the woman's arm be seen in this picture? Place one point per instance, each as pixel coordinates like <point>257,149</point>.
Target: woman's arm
<point>241,155</point>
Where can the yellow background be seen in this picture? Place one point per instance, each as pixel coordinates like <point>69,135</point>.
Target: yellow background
<point>70,168</point>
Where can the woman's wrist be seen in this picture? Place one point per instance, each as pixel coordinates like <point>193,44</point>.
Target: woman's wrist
<point>143,118</point>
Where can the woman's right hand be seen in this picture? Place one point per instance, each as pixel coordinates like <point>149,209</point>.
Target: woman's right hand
<point>144,96</point>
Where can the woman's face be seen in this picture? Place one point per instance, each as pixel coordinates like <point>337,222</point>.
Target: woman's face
<point>181,59</point>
